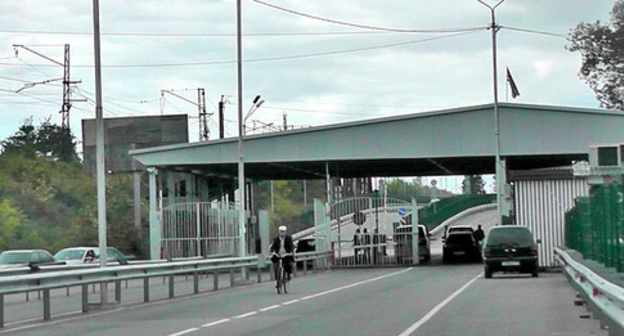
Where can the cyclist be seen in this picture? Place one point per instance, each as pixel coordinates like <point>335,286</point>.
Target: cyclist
<point>283,247</point>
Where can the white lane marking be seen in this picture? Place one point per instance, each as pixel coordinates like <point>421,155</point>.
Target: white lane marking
<point>269,308</point>
<point>48,323</point>
<point>245,315</point>
<point>437,308</point>
<point>290,302</point>
<point>208,325</point>
<point>185,332</point>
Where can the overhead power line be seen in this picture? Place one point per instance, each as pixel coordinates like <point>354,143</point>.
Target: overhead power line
<point>369,27</point>
<point>267,59</point>
<point>537,32</point>
<point>190,35</point>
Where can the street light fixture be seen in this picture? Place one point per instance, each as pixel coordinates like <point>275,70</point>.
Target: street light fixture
<point>499,169</point>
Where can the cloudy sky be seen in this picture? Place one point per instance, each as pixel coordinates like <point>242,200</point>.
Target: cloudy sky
<point>314,71</point>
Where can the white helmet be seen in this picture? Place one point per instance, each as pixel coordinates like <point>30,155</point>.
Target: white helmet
<point>282,228</point>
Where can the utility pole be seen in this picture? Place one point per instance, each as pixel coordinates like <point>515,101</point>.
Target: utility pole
<point>222,117</point>
<point>500,170</point>
<point>100,154</point>
<point>204,132</point>
<point>67,101</point>
<point>285,117</point>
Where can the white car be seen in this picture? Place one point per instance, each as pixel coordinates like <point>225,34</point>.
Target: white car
<point>86,255</point>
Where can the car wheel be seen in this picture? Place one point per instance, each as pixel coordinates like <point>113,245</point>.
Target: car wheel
<point>534,273</point>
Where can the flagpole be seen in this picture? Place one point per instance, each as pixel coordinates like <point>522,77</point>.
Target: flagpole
<point>507,91</point>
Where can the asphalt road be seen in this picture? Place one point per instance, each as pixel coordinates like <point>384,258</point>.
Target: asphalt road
<point>427,300</point>
<point>432,299</point>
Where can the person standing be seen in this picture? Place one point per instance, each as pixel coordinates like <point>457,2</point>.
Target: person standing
<point>479,235</point>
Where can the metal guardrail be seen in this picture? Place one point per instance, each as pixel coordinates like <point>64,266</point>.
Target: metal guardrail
<point>65,277</point>
<point>58,268</point>
<point>606,298</point>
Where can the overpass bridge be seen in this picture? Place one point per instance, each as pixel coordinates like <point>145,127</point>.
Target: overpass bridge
<point>447,142</point>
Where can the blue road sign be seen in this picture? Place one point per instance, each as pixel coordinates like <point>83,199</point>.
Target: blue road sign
<point>402,212</point>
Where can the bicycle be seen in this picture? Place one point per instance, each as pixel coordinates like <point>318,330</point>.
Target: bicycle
<point>281,275</point>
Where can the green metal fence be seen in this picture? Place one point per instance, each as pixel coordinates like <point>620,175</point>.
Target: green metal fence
<point>595,226</point>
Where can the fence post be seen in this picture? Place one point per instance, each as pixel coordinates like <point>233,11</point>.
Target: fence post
<point>146,291</point>
<point>171,285</point>
<point>46,304</point>
<point>118,291</point>
<point>1,310</point>
<point>85,298</point>
<point>195,282</point>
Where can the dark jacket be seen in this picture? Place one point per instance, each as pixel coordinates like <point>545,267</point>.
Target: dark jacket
<point>288,244</point>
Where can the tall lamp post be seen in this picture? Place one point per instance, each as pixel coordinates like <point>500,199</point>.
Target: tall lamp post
<point>499,169</point>
<point>100,154</point>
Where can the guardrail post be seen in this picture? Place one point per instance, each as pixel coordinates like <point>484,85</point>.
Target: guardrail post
<point>305,267</point>
<point>67,290</point>
<point>195,282</point>
<point>46,304</point>
<point>259,275</point>
<point>231,277</point>
<point>1,310</point>
<point>272,272</point>
<point>245,271</point>
<point>85,298</point>
<point>171,285</point>
<point>295,270</point>
<point>215,280</point>
<point>118,291</point>
<point>146,291</point>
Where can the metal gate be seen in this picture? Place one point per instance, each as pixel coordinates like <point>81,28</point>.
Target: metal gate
<point>200,229</point>
<point>362,231</point>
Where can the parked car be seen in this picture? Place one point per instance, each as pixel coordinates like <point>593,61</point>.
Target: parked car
<point>26,258</point>
<point>85,255</point>
<point>510,249</point>
<point>305,245</point>
<point>403,241</point>
<point>460,245</point>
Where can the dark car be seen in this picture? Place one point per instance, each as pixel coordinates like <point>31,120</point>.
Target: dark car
<point>460,246</point>
<point>26,258</point>
<point>306,245</point>
<point>510,249</point>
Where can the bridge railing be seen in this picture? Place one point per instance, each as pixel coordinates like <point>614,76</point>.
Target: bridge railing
<point>83,277</point>
<point>603,297</point>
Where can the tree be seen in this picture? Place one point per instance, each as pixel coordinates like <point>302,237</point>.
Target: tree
<point>602,52</point>
<point>46,140</point>
<point>476,184</point>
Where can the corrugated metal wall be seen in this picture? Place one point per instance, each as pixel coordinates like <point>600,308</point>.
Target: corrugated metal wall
<point>541,205</point>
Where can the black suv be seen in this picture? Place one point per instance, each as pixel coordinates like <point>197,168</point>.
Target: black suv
<point>509,249</point>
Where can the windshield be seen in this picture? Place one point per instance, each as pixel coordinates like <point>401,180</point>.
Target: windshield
<point>14,258</point>
<point>459,239</point>
<point>519,236</point>
<point>69,255</point>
